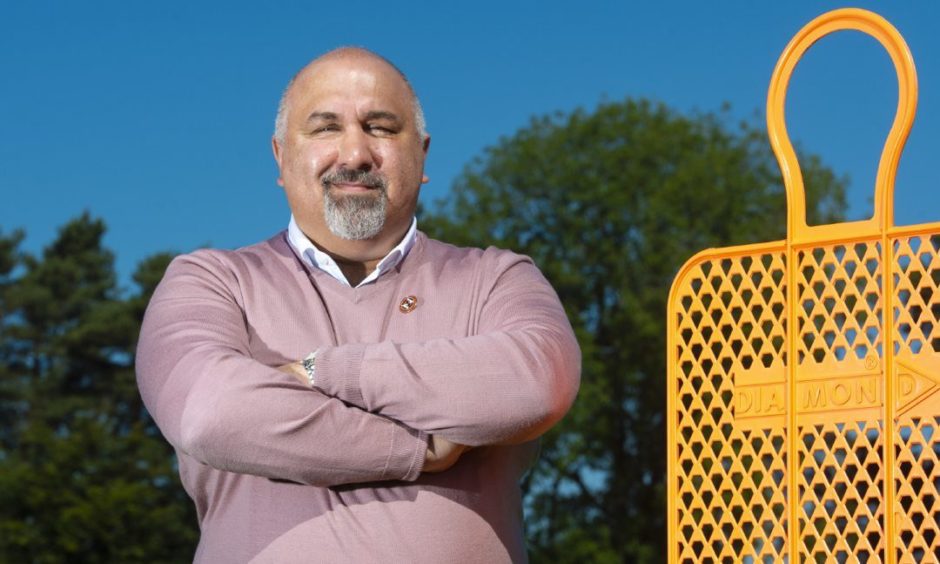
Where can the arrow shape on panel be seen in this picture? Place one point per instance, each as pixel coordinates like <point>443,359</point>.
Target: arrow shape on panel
<point>911,386</point>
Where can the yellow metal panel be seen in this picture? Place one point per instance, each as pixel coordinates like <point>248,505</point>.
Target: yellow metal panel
<point>803,381</point>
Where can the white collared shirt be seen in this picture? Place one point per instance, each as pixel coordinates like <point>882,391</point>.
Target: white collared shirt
<point>315,258</point>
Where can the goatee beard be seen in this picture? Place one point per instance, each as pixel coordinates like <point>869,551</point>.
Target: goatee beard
<point>355,217</point>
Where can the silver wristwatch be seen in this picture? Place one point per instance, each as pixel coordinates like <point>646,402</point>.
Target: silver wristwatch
<point>310,366</point>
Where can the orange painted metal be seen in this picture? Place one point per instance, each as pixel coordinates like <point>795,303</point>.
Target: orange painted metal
<point>804,374</point>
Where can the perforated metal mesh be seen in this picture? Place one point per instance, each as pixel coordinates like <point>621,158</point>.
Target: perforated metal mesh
<point>840,294</point>
<point>918,481</point>
<point>841,493</point>
<point>916,341</point>
<point>732,502</point>
<point>916,278</point>
<point>731,487</point>
<point>840,350</point>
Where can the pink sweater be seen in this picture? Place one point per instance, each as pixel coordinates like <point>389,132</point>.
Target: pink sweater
<point>282,473</point>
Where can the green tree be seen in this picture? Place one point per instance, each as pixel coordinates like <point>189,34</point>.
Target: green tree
<point>609,204</point>
<point>10,402</point>
<point>84,474</point>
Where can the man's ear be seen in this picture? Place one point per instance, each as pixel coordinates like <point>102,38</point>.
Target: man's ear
<point>276,149</point>
<point>424,148</point>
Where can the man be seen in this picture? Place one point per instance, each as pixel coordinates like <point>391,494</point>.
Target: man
<point>351,390</point>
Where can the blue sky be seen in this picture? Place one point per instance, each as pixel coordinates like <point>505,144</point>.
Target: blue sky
<point>157,116</point>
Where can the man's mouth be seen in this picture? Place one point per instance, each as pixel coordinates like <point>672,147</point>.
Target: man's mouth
<point>351,187</point>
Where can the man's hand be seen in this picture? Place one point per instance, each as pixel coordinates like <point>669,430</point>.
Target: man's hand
<point>296,369</point>
<point>442,454</point>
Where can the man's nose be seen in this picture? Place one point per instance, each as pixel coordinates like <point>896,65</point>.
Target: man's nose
<point>355,152</point>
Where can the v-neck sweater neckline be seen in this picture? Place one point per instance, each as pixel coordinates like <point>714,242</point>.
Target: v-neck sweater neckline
<point>326,284</point>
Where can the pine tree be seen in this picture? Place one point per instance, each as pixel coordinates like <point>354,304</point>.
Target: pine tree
<point>84,474</point>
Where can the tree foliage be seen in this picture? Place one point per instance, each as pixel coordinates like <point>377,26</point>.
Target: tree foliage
<point>84,474</point>
<point>609,204</point>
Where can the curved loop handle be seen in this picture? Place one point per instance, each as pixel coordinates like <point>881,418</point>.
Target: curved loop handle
<point>879,28</point>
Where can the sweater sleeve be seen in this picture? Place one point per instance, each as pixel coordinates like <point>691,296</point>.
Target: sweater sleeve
<point>216,404</point>
<point>508,383</point>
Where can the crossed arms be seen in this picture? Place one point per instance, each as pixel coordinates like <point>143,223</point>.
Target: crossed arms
<point>376,406</point>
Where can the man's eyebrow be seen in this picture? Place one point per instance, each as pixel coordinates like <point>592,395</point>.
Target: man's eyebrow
<point>380,114</point>
<point>326,116</point>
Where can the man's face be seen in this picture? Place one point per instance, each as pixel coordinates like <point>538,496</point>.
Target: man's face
<point>352,160</point>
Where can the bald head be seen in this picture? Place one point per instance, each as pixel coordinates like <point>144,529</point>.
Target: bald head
<point>350,55</point>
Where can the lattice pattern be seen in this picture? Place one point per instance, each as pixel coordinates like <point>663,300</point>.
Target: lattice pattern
<point>743,301</point>
<point>840,298</point>
<point>841,486</point>
<point>731,495</point>
<point>841,489</point>
<point>917,480</point>
<point>917,443</point>
<point>917,304</point>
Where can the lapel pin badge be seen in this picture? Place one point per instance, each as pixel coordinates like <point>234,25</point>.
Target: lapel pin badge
<point>408,304</point>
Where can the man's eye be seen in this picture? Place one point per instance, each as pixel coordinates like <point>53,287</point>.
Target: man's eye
<point>380,130</point>
<point>326,128</point>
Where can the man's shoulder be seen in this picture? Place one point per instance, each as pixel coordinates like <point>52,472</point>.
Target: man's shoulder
<point>480,271</point>
<point>264,255</point>
<point>449,256</point>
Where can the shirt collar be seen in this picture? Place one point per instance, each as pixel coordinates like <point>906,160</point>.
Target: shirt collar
<point>315,258</point>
